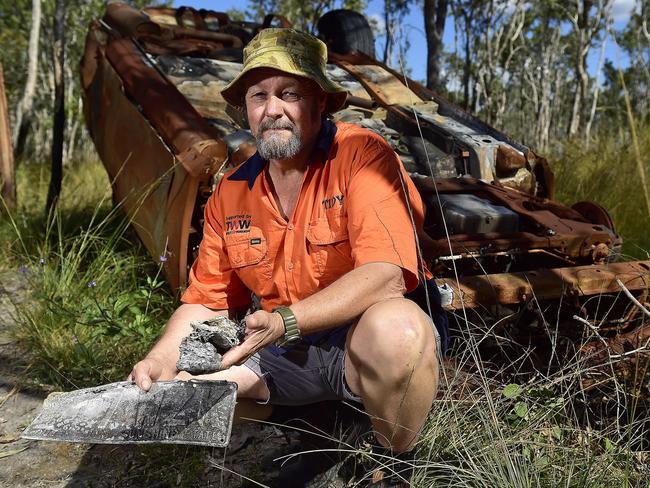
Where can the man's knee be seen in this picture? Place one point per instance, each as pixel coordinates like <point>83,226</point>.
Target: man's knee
<point>392,337</point>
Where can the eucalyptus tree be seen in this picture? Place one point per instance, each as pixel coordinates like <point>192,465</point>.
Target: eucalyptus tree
<point>58,112</point>
<point>435,16</point>
<point>588,19</point>
<point>394,14</point>
<point>635,40</point>
<point>469,22</point>
<point>26,103</point>
<point>545,70</point>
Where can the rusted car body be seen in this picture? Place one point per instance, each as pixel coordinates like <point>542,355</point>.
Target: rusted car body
<point>501,248</point>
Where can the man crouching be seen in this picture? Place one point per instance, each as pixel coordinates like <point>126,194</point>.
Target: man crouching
<point>317,224</point>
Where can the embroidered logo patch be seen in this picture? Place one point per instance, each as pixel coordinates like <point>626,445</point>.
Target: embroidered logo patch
<point>238,224</point>
<point>335,201</point>
<point>256,241</point>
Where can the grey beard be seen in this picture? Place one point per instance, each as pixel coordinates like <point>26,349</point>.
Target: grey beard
<point>274,147</point>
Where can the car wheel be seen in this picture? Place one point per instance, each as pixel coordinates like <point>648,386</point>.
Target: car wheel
<point>346,30</point>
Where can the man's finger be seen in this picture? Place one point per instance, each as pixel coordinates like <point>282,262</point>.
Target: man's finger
<point>236,355</point>
<point>141,374</point>
<point>252,321</point>
<point>144,382</point>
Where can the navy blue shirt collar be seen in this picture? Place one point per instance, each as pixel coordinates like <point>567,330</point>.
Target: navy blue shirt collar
<point>253,166</point>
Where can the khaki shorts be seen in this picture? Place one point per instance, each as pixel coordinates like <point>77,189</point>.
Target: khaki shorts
<point>307,373</point>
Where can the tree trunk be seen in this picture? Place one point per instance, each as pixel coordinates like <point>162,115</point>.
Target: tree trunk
<point>388,23</point>
<point>594,101</point>
<point>550,53</point>
<point>24,107</point>
<point>586,26</point>
<point>59,106</point>
<point>435,14</point>
<point>581,88</point>
<point>7,179</point>
<point>468,59</point>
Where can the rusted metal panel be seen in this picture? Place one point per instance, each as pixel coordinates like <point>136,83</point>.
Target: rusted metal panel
<point>200,81</point>
<point>386,87</point>
<point>181,202</point>
<point>547,284</point>
<point>509,159</point>
<point>142,169</point>
<point>552,226</point>
<point>7,177</point>
<point>134,24</point>
<point>179,124</point>
<point>391,93</point>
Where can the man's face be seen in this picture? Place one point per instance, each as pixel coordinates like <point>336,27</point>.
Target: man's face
<point>284,112</point>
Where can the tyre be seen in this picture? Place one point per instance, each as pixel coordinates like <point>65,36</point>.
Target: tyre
<point>345,31</point>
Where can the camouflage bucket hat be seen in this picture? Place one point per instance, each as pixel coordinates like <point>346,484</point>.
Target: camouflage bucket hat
<point>291,52</point>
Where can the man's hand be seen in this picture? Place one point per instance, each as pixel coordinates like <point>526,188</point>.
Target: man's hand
<point>262,329</point>
<point>151,369</point>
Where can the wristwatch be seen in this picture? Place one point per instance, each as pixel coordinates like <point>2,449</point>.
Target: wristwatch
<point>291,331</point>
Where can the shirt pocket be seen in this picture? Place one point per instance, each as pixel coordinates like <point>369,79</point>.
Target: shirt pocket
<point>329,246</point>
<point>248,256</point>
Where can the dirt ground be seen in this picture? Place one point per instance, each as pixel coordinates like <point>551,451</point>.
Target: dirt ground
<point>34,464</point>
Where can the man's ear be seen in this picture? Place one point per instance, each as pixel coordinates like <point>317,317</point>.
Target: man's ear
<point>322,103</point>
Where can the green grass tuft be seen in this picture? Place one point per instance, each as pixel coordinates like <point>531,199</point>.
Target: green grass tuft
<point>607,172</point>
<point>555,430</point>
<point>97,302</point>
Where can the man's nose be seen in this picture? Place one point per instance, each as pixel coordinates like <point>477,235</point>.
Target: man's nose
<point>274,107</point>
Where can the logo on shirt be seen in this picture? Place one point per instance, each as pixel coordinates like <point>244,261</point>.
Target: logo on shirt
<point>238,224</point>
<point>335,201</point>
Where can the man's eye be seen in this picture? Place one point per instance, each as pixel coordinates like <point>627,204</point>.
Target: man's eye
<point>290,96</point>
<point>257,97</point>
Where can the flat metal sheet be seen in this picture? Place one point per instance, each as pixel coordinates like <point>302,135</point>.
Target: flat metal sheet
<point>171,412</point>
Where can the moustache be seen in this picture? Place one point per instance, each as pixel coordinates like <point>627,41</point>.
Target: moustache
<point>275,124</point>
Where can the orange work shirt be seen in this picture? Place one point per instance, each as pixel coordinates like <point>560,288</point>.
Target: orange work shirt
<point>351,210</point>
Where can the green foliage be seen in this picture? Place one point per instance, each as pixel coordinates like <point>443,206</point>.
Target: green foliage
<point>15,23</point>
<point>96,302</point>
<point>606,172</point>
<point>303,15</point>
<point>236,15</point>
<point>14,34</point>
<point>529,435</point>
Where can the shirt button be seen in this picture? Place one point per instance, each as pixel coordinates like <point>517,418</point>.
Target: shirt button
<point>290,226</point>
<point>290,266</point>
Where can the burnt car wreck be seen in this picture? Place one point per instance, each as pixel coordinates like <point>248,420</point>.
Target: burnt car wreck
<point>504,251</point>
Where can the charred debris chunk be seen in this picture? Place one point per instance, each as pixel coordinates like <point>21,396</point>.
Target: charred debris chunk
<point>201,351</point>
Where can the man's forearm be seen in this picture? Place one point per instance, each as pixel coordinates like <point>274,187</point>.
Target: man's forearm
<point>349,296</point>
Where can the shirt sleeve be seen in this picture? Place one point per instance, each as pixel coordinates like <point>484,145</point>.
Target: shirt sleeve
<point>212,281</point>
<point>379,221</point>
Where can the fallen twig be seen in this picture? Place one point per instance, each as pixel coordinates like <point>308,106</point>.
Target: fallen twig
<point>593,328</point>
<point>631,297</point>
<point>643,348</point>
<point>13,391</point>
<point>9,438</point>
<point>5,454</point>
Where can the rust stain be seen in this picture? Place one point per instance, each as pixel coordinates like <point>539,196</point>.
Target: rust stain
<point>547,284</point>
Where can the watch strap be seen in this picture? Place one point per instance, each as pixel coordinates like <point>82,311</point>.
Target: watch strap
<point>291,331</point>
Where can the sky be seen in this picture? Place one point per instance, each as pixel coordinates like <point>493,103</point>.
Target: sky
<point>414,26</point>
